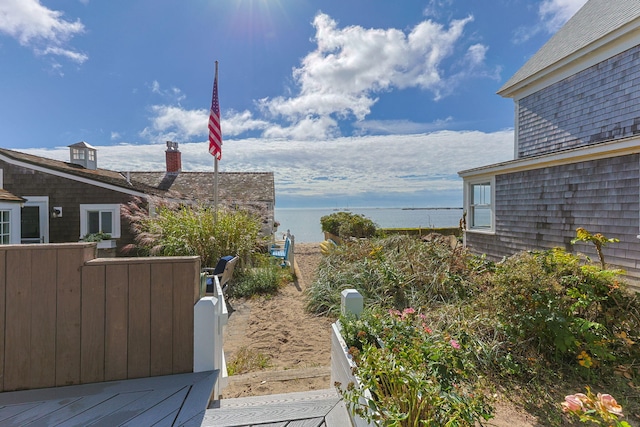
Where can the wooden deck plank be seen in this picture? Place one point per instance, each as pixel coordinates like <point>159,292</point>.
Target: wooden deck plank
<point>18,306</point>
<point>279,398</point>
<point>158,412</point>
<point>145,401</point>
<point>89,409</point>
<point>338,416</point>
<point>198,399</point>
<point>38,412</point>
<point>139,341</point>
<point>43,320</point>
<point>270,410</point>
<point>93,318</point>
<point>116,323</point>
<point>161,315</point>
<point>311,422</point>
<point>186,276</point>
<point>69,316</point>
<point>276,424</point>
<point>12,410</point>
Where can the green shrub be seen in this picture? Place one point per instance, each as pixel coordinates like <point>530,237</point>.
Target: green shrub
<point>393,272</point>
<point>179,230</point>
<point>347,224</point>
<point>266,277</point>
<point>549,303</point>
<point>416,375</point>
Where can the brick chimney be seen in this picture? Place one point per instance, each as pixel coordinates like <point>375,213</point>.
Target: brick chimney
<point>174,157</point>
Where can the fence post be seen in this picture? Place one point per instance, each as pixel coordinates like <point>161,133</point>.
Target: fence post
<point>351,302</point>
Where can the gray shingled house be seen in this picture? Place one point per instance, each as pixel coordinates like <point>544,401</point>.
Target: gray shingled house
<point>50,201</point>
<point>577,145</point>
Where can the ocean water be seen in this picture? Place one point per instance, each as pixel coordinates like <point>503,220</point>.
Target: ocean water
<point>304,223</point>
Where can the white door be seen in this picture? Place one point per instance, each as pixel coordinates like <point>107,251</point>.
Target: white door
<point>34,222</point>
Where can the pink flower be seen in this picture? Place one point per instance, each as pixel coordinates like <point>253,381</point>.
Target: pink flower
<point>409,310</point>
<point>454,344</point>
<point>427,329</point>
<point>610,404</point>
<point>572,403</point>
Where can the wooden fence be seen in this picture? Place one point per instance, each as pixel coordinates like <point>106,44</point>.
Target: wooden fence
<point>68,318</point>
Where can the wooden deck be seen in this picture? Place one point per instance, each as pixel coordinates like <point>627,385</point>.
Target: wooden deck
<point>172,400</point>
<point>320,408</point>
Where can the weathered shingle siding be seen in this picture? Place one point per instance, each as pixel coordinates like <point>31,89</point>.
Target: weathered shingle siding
<point>542,208</point>
<point>600,103</point>
<point>65,193</point>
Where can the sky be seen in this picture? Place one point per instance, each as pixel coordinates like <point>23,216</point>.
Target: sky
<point>366,103</point>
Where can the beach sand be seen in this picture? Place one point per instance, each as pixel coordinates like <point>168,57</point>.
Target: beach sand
<point>280,328</point>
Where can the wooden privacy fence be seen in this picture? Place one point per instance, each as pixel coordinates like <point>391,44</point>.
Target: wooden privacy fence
<point>67,318</point>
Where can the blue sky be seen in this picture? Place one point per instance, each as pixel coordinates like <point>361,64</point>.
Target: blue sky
<point>358,102</point>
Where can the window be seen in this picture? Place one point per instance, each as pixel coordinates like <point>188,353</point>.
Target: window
<point>5,227</point>
<point>100,218</point>
<point>77,154</point>
<point>481,205</point>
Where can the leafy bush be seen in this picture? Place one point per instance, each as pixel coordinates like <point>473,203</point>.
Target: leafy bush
<point>347,224</point>
<point>393,272</point>
<point>549,303</point>
<point>178,230</point>
<point>416,376</point>
<point>265,277</point>
<point>537,324</point>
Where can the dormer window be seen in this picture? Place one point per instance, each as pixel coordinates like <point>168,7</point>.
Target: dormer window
<point>84,155</point>
<point>77,154</point>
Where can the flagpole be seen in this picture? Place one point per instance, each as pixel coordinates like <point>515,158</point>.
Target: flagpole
<point>215,174</point>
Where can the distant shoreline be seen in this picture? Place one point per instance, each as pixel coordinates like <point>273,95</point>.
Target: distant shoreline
<point>369,208</point>
<point>426,209</point>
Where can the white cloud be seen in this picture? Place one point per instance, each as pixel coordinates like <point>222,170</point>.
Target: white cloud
<point>341,80</point>
<point>42,29</point>
<point>402,127</point>
<point>552,15</point>
<point>350,65</point>
<point>170,123</point>
<point>390,164</point>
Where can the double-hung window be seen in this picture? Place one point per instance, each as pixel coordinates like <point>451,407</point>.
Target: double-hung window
<point>5,227</point>
<point>481,205</point>
<point>100,218</point>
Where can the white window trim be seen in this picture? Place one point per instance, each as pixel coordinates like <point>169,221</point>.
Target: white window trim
<point>114,208</point>
<point>467,204</point>
<point>14,221</point>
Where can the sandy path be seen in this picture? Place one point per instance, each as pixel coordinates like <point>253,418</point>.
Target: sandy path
<point>281,329</point>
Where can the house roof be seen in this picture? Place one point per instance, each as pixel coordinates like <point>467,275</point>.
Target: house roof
<point>82,144</point>
<point>5,196</point>
<point>233,186</point>
<point>593,22</point>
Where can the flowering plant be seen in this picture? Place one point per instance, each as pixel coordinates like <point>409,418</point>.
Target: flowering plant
<point>599,409</point>
<point>410,374</point>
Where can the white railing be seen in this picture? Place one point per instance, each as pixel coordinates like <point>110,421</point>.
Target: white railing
<point>342,363</point>
<point>210,317</point>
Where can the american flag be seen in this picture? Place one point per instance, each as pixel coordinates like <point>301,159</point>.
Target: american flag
<point>215,133</point>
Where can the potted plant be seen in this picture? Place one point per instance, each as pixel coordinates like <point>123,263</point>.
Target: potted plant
<point>103,240</point>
